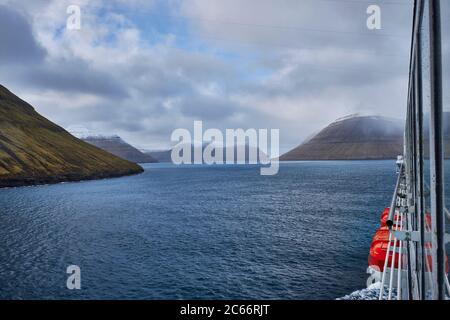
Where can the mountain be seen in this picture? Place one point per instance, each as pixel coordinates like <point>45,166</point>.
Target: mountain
<point>160,155</point>
<point>166,155</point>
<point>353,138</point>
<point>34,150</point>
<point>120,148</point>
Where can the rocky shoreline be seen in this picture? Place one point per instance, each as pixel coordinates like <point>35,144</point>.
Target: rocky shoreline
<point>35,181</point>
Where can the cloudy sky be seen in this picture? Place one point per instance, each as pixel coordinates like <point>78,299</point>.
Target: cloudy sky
<point>141,69</point>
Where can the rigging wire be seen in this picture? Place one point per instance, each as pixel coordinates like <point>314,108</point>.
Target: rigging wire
<point>270,26</point>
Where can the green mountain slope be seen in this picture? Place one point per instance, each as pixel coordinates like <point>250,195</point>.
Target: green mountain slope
<point>34,150</point>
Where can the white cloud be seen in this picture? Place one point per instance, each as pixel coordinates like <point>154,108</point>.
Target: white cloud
<point>266,64</point>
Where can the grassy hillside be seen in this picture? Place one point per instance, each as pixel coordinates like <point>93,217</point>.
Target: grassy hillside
<point>34,150</point>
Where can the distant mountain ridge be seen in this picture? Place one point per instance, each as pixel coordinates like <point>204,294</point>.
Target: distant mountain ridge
<point>115,145</point>
<point>33,150</point>
<point>166,155</point>
<point>353,138</point>
<point>160,155</point>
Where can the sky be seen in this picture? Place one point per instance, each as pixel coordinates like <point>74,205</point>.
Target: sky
<point>141,69</point>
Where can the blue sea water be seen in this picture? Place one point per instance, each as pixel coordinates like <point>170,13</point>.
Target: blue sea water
<point>196,232</point>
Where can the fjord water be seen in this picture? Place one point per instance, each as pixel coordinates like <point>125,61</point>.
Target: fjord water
<point>196,232</point>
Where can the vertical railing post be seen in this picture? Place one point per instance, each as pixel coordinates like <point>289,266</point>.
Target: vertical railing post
<point>436,149</point>
<point>420,155</point>
<point>413,204</point>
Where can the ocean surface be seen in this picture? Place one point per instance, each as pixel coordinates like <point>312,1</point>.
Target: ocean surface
<point>197,232</point>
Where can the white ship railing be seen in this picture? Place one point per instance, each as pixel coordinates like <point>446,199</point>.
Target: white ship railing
<point>414,242</point>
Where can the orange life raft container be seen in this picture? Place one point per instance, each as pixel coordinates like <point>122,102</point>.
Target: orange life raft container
<point>380,243</point>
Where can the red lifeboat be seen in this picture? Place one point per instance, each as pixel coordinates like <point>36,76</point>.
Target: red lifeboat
<point>380,243</point>
<point>378,250</point>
